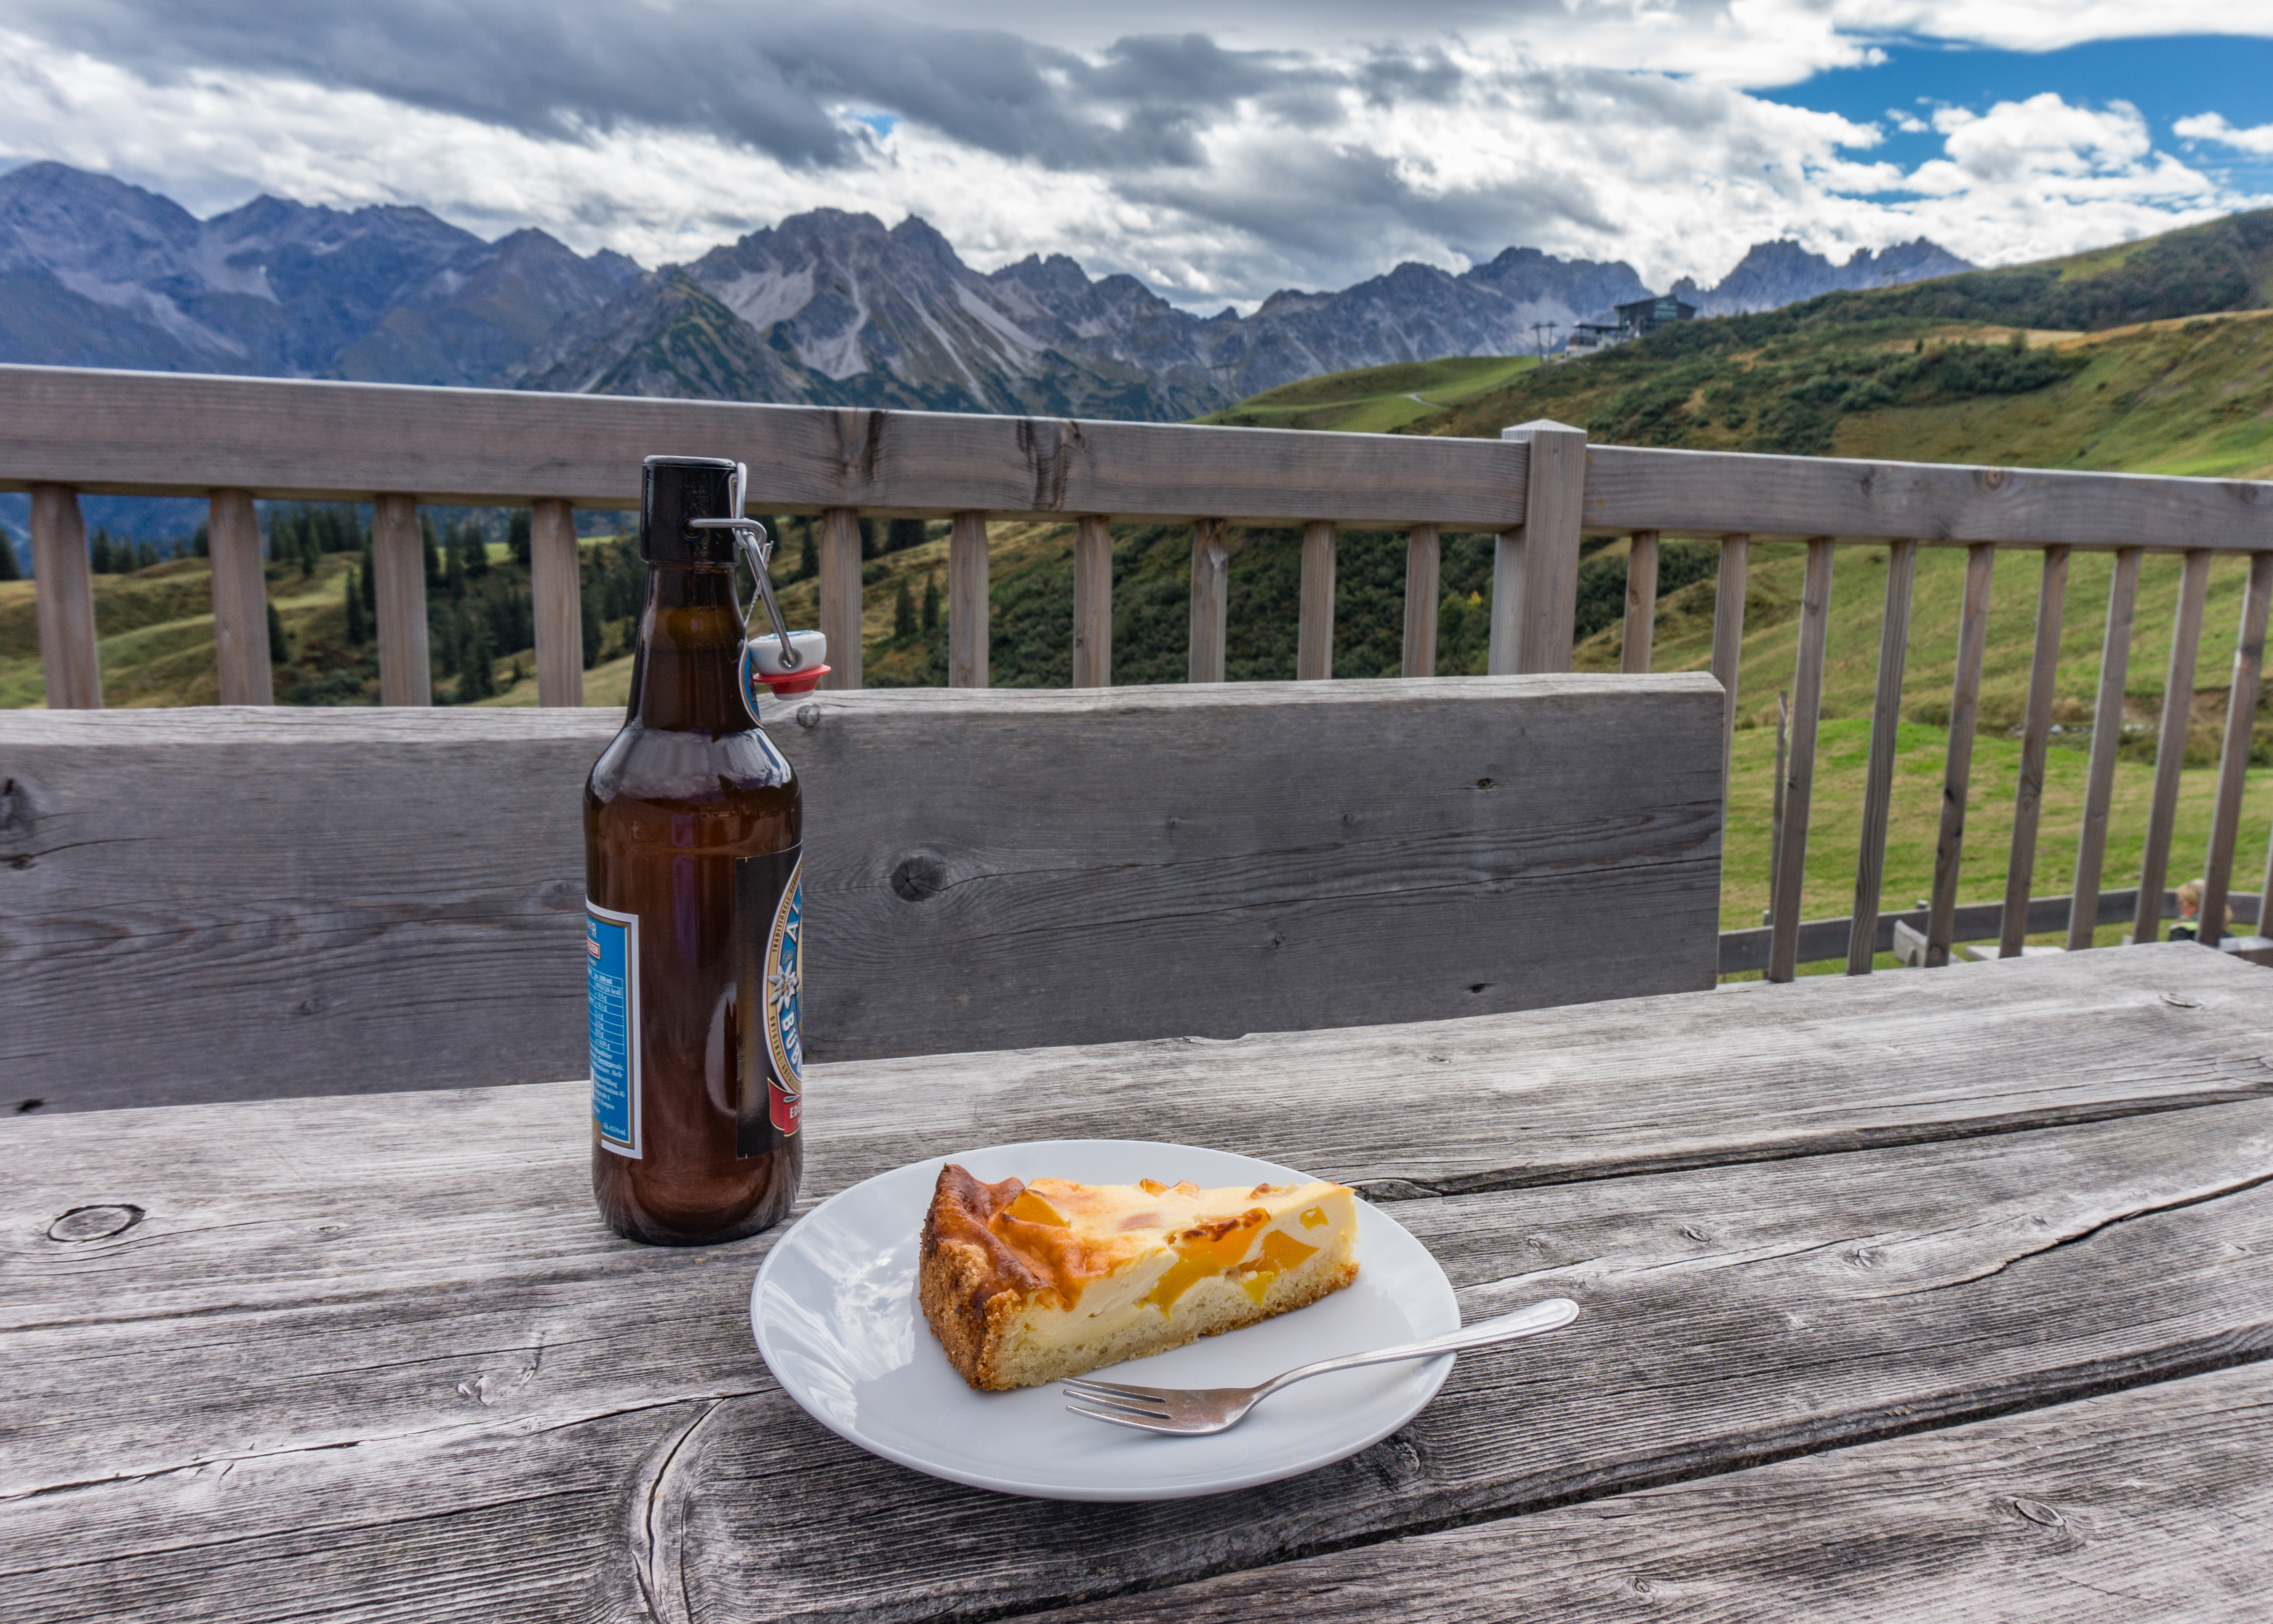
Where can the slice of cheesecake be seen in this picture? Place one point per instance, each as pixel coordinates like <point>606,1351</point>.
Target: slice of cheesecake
<point>1024,1284</point>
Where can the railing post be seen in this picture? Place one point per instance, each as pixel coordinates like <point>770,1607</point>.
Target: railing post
<point>2036,731</point>
<point>1314,646</point>
<point>63,594</point>
<point>1210,600</point>
<point>1806,707</point>
<point>556,581</point>
<point>967,617</point>
<point>399,576</point>
<point>1641,603</point>
<point>2233,758</point>
<point>2106,738</point>
<point>1093,603</point>
<point>1878,778</point>
<point>840,595</point>
<point>1728,637</point>
<point>1535,575</point>
<point>1423,563</point>
<point>1957,766</point>
<point>240,601</point>
<point>2170,746</point>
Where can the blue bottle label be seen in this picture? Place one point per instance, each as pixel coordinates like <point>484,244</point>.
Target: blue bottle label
<point>611,994</point>
<point>769,929</point>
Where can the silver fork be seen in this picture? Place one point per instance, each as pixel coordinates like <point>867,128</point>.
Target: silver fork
<point>1193,1411</point>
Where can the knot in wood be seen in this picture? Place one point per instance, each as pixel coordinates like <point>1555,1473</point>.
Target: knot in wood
<point>809,716</point>
<point>94,1223</point>
<point>919,877</point>
<point>2038,1513</point>
<point>2179,1001</point>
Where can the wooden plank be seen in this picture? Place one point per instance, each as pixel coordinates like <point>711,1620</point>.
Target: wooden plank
<point>2106,739</point>
<point>1957,770</point>
<point>1543,614</point>
<point>398,560</point>
<point>567,1417</point>
<point>1634,487</point>
<point>1313,643</point>
<point>2170,740</point>
<point>1825,938</point>
<point>1093,603</point>
<point>404,909</point>
<point>1878,775</point>
<point>63,599</point>
<point>2036,736</point>
<point>2233,755</point>
<point>1799,784</point>
<point>970,620</point>
<point>1422,567</point>
<point>2128,1505</point>
<point>556,582</point>
<point>240,601</point>
<point>1505,640</point>
<point>839,589</point>
<point>1641,602</point>
<point>1210,600</point>
<point>179,435</point>
<point>1729,633</point>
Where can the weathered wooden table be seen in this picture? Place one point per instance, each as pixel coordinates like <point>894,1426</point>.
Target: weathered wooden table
<point>1932,1295</point>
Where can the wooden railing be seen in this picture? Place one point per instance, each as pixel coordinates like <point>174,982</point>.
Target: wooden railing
<point>1539,490</point>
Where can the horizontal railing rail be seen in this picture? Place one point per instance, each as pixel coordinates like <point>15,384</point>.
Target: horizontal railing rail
<point>1539,489</point>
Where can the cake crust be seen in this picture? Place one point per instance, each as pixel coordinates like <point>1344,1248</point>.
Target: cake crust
<point>1003,1268</point>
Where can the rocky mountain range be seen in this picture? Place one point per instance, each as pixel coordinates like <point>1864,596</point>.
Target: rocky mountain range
<point>827,307</point>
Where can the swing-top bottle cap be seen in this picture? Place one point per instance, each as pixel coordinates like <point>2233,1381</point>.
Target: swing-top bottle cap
<point>675,489</point>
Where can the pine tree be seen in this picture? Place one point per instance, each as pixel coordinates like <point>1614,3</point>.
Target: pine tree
<point>277,651</point>
<point>901,534</point>
<point>476,663</point>
<point>201,543</point>
<point>99,553</point>
<point>433,549</point>
<point>10,569</point>
<point>904,611</point>
<point>868,548</point>
<point>808,555</point>
<point>311,547</point>
<point>931,605</point>
<point>516,536</point>
<point>370,587</point>
<point>593,631</point>
<point>357,629</point>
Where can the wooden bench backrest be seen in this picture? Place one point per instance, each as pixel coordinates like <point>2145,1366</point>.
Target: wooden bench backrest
<point>202,904</point>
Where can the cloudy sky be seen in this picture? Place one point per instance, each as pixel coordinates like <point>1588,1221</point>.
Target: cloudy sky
<point>1218,150</point>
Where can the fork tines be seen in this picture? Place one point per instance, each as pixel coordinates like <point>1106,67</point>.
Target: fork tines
<point>1114,1394</point>
<point>1143,1421</point>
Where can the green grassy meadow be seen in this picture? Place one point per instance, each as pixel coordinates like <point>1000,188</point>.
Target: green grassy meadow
<point>1375,399</point>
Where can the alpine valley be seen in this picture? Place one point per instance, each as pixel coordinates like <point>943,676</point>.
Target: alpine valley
<point>826,307</point>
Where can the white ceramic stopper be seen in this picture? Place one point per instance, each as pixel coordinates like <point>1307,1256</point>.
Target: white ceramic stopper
<point>812,651</point>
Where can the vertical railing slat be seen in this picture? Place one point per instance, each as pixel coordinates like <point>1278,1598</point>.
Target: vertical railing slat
<point>2171,745</point>
<point>1423,561</point>
<point>1806,707</point>
<point>557,588</point>
<point>1093,603</point>
<point>2106,738</point>
<point>1879,777</point>
<point>1729,636</point>
<point>840,595</point>
<point>968,617</point>
<point>240,601</point>
<point>1957,766</point>
<point>63,600</point>
<point>1210,600</point>
<point>2036,737</point>
<point>399,592</point>
<point>1313,643</point>
<point>2233,756</point>
<point>1642,603</point>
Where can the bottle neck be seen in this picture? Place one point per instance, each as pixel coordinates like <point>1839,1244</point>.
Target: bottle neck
<point>690,647</point>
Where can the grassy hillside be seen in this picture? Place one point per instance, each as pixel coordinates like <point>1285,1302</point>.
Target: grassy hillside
<point>1374,399</point>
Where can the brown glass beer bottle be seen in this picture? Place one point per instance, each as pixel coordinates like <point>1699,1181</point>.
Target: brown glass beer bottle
<point>694,913</point>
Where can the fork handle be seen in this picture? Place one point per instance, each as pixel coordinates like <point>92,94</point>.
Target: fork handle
<point>1556,1312</point>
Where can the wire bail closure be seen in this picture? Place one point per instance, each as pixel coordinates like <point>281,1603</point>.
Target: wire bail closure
<point>751,543</point>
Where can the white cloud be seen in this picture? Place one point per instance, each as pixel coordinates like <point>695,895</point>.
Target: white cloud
<point>1335,169</point>
<point>2213,127</point>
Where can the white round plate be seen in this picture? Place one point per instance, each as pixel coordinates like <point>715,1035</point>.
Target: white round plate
<point>836,1317</point>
